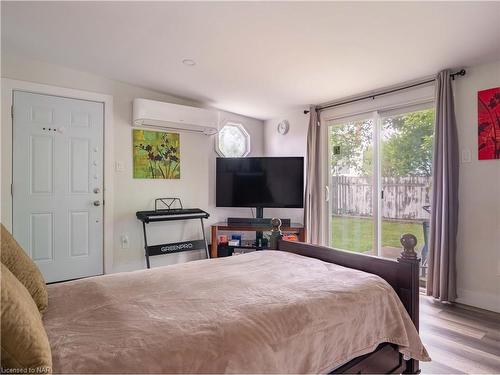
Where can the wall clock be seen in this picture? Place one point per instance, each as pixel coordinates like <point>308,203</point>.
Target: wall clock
<point>283,127</point>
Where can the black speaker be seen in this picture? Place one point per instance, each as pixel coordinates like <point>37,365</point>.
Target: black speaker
<point>257,222</point>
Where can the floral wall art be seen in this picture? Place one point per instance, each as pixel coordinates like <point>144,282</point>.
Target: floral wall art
<point>488,113</point>
<point>156,154</point>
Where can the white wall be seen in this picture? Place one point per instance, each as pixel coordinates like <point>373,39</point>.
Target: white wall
<point>196,187</point>
<point>478,262</point>
<point>291,144</point>
<point>478,258</point>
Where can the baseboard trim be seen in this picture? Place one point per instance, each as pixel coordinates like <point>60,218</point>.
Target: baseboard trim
<point>481,300</point>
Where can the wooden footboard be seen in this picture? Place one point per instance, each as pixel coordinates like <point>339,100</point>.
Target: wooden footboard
<point>401,274</point>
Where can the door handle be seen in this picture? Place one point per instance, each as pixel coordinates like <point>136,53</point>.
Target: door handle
<point>97,203</point>
<point>327,193</point>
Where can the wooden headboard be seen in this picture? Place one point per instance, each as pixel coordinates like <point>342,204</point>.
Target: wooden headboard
<point>402,274</point>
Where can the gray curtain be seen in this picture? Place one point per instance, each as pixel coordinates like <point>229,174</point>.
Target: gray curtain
<point>441,279</point>
<point>313,195</point>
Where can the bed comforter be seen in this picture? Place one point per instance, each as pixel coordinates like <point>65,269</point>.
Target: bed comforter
<point>263,312</point>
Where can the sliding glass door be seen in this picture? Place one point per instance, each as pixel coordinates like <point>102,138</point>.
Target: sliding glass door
<point>379,180</point>
<point>406,178</point>
<point>351,185</point>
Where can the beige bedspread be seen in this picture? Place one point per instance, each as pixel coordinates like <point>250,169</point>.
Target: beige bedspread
<point>267,311</point>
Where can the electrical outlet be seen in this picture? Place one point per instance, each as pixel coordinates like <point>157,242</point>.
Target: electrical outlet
<point>124,241</point>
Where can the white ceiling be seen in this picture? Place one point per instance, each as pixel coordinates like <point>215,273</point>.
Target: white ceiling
<point>254,58</point>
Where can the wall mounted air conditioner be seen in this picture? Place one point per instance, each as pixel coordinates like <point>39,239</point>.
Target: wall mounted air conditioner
<point>151,113</point>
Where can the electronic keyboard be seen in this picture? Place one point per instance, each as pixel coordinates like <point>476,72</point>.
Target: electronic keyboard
<point>171,214</point>
<point>167,212</point>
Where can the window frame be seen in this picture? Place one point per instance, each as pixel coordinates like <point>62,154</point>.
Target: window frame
<point>389,103</point>
<point>377,117</point>
<point>245,133</point>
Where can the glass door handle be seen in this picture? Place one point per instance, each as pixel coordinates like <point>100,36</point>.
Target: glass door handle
<point>327,193</point>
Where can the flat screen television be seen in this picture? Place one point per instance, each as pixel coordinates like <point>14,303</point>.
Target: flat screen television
<point>261,182</point>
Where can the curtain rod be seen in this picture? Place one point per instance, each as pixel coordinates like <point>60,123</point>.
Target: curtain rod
<point>373,96</point>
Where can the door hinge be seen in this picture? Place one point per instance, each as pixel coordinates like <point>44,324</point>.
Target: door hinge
<point>11,190</point>
<point>381,194</point>
<point>12,112</point>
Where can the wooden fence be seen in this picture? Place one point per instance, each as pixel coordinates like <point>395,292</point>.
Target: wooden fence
<point>404,197</point>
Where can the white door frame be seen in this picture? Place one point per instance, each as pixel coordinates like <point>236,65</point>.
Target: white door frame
<point>8,87</point>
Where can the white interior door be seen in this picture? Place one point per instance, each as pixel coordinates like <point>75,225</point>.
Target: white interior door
<point>57,183</point>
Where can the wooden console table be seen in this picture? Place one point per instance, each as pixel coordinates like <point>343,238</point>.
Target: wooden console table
<point>223,226</point>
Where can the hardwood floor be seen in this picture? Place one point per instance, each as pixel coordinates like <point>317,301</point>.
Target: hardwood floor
<point>459,339</point>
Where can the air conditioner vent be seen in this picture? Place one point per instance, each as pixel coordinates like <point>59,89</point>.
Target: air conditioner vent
<point>162,115</point>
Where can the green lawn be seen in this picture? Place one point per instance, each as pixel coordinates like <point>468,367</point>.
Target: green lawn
<point>356,234</point>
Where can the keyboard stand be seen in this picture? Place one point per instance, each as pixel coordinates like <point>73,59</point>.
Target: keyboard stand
<point>172,214</point>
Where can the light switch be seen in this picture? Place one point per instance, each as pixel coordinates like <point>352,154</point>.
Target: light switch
<point>124,241</point>
<point>466,156</point>
<point>119,167</point>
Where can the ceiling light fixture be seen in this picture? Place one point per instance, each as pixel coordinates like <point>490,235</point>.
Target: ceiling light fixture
<point>189,62</point>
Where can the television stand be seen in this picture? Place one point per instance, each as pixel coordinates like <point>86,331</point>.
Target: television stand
<point>256,222</point>
<point>258,229</point>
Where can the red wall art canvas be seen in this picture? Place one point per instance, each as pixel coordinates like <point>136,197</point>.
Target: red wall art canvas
<point>488,113</point>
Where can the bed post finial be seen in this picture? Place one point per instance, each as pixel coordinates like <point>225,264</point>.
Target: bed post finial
<point>409,241</point>
<point>410,257</point>
<point>275,234</point>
